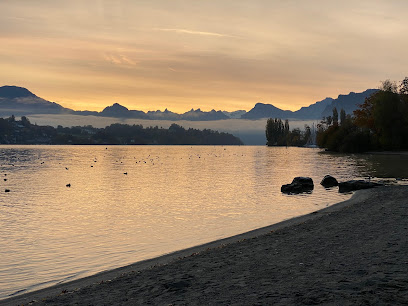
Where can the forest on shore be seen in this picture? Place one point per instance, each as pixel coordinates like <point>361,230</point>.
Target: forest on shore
<point>14,131</point>
<point>278,133</point>
<point>379,124</point>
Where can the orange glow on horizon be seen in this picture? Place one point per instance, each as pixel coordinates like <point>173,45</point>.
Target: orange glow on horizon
<point>208,55</point>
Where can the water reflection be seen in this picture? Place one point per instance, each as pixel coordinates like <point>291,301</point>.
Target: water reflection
<point>171,198</point>
<point>375,165</point>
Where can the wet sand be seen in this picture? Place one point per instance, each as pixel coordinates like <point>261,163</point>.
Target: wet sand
<point>352,253</point>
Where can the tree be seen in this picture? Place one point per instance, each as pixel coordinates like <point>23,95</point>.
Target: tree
<point>275,132</point>
<point>403,89</point>
<point>342,116</point>
<point>335,116</point>
<point>384,115</point>
<point>308,134</point>
<point>296,138</point>
<point>287,131</point>
<point>329,120</point>
<point>176,128</point>
<point>25,122</point>
<point>389,86</point>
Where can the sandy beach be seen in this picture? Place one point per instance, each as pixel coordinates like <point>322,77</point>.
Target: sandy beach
<point>352,253</point>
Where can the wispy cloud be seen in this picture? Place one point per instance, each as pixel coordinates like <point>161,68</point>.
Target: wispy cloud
<point>184,31</point>
<point>118,59</point>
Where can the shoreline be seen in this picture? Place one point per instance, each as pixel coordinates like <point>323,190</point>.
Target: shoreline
<point>177,261</point>
<point>387,152</point>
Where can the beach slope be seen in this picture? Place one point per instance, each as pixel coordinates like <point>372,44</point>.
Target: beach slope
<point>355,252</point>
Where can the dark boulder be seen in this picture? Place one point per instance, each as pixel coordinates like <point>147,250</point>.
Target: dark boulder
<point>304,181</point>
<point>356,185</point>
<point>298,185</point>
<point>292,188</point>
<point>329,181</point>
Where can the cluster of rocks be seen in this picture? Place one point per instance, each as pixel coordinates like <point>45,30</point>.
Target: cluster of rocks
<point>305,184</point>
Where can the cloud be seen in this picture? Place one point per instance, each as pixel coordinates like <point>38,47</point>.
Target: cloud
<point>118,59</point>
<point>184,31</point>
<point>183,54</point>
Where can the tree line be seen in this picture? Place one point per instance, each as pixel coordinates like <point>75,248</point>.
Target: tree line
<point>380,123</point>
<point>278,133</point>
<point>14,131</point>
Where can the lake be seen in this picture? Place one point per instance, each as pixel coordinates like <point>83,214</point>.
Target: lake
<point>129,203</point>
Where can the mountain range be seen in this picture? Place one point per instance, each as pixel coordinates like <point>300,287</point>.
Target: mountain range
<point>20,101</point>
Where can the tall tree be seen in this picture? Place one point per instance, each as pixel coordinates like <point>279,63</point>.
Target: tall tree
<point>287,131</point>
<point>335,116</point>
<point>308,134</point>
<point>342,116</point>
<point>276,132</point>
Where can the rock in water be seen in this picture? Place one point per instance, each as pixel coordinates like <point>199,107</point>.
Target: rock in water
<point>329,181</point>
<point>356,185</point>
<point>304,181</point>
<point>299,184</point>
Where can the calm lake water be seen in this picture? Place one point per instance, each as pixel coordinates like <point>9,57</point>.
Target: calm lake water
<point>129,203</point>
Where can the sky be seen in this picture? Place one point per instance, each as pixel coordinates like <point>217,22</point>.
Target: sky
<point>183,54</point>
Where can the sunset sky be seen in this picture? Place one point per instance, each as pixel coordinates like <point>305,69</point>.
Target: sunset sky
<point>184,54</point>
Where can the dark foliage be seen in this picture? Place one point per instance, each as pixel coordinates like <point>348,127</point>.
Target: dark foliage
<point>346,137</point>
<point>279,134</point>
<point>23,132</point>
<point>385,116</point>
<point>380,123</point>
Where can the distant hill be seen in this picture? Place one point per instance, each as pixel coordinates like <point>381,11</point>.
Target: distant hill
<point>166,115</point>
<point>199,115</point>
<point>262,110</point>
<point>348,102</point>
<point>119,111</point>
<point>20,101</point>
<point>314,111</point>
<point>235,114</point>
<point>12,92</point>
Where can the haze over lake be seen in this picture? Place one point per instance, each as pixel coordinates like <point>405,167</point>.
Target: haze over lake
<point>129,203</point>
<point>251,132</point>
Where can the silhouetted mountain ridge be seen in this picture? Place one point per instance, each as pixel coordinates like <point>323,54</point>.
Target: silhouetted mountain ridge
<point>235,114</point>
<point>314,111</point>
<point>117,110</point>
<point>20,101</point>
<point>12,92</point>
<point>262,110</point>
<point>348,102</point>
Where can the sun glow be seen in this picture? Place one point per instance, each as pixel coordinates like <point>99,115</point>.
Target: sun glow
<point>183,55</point>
